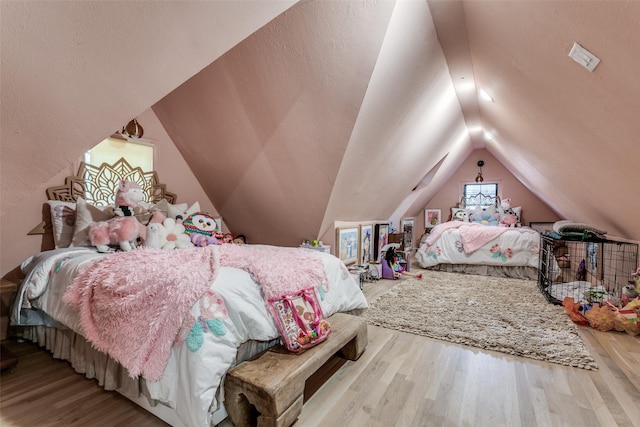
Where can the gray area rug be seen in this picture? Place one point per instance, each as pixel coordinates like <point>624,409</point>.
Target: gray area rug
<point>494,313</point>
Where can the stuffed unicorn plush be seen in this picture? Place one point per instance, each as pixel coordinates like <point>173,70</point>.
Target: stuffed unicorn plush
<point>122,230</point>
<point>128,196</point>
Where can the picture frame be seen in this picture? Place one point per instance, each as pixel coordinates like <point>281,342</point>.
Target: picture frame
<point>347,242</point>
<point>381,237</point>
<point>406,227</point>
<point>594,259</point>
<point>432,217</point>
<point>366,244</point>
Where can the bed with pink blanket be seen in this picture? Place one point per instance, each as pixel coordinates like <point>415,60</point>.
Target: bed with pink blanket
<point>162,327</point>
<point>171,322</point>
<point>487,240</point>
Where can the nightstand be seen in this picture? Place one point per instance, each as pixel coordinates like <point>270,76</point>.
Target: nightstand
<point>8,291</point>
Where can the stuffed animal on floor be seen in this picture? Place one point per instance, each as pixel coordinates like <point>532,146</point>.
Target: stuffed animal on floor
<point>627,321</point>
<point>601,318</point>
<point>573,310</point>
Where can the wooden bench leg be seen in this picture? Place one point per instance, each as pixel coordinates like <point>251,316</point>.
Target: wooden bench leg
<point>253,407</point>
<point>287,418</point>
<point>354,348</point>
<point>238,407</point>
<point>268,391</point>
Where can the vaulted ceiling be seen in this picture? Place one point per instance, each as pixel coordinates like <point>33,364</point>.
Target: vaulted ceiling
<point>294,115</point>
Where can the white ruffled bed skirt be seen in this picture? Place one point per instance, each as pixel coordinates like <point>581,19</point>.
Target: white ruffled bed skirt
<point>518,272</point>
<point>66,344</point>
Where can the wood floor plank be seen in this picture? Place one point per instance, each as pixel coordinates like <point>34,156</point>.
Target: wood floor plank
<point>401,380</point>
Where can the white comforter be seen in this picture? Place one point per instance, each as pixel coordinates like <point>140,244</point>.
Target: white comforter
<point>191,380</point>
<point>506,247</point>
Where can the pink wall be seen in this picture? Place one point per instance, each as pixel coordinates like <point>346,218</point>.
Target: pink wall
<point>16,245</point>
<point>533,209</point>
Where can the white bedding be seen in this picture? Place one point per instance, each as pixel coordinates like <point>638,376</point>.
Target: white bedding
<point>512,247</point>
<point>192,379</point>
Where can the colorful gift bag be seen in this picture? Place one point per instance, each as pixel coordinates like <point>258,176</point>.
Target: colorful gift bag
<point>300,319</point>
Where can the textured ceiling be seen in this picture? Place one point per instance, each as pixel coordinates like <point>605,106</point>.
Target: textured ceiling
<point>295,115</point>
<point>333,96</point>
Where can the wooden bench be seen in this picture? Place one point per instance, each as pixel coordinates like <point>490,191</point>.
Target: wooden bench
<point>267,391</point>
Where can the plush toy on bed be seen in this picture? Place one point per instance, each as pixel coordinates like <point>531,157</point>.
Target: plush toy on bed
<point>155,236</point>
<point>129,196</point>
<point>201,228</point>
<point>123,230</point>
<point>484,217</point>
<point>509,218</point>
<point>460,215</point>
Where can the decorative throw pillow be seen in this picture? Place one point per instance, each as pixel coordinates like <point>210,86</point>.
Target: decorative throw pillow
<point>63,220</point>
<point>486,216</point>
<point>174,210</point>
<point>459,214</point>
<point>87,214</point>
<point>513,211</point>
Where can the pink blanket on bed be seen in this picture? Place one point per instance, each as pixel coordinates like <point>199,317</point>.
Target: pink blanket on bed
<point>473,236</point>
<point>132,304</point>
<point>277,270</point>
<point>476,236</point>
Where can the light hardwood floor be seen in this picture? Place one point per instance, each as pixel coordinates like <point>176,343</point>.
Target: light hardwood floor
<point>401,380</point>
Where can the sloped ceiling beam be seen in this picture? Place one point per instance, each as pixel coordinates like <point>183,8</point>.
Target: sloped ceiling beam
<point>74,72</point>
<point>266,126</point>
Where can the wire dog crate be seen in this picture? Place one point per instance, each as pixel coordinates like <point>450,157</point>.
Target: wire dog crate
<point>589,271</point>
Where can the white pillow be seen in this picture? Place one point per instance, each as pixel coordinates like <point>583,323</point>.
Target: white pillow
<point>63,220</point>
<point>87,214</point>
<point>174,210</point>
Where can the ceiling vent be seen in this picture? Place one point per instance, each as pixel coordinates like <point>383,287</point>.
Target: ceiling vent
<point>583,57</point>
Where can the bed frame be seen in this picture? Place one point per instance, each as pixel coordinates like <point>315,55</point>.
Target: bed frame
<point>521,272</point>
<point>98,185</point>
<point>479,200</point>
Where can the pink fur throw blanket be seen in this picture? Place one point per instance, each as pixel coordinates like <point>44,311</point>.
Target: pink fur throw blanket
<point>441,228</point>
<point>277,270</point>
<point>132,304</point>
<point>476,235</point>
